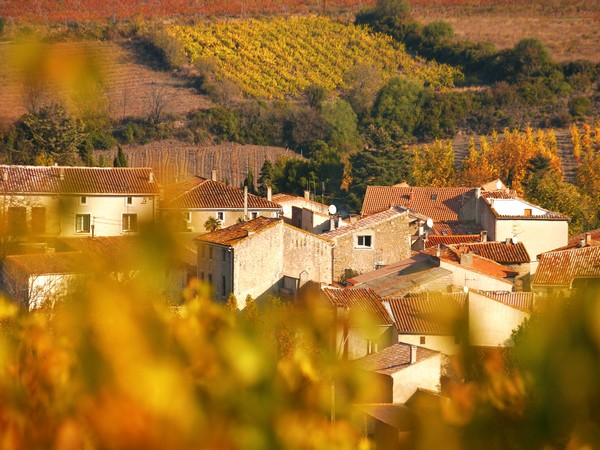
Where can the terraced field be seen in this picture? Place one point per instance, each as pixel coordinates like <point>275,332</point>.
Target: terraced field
<point>127,87</point>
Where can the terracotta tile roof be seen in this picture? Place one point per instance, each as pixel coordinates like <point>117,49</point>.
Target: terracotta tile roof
<point>434,240</point>
<point>76,180</point>
<point>500,208</point>
<point>589,238</point>
<point>518,300</point>
<point>363,304</point>
<point>502,193</point>
<point>428,313</point>
<point>285,198</point>
<point>456,227</point>
<point>401,277</point>
<point>441,204</point>
<point>560,268</point>
<point>203,193</point>
<point>47,263</point>
<point>367,222</point>
<point>392,359</point>
<point>478,264</point>
<point>107,251</point>
<point>236,233</point>
<point>501,252</point>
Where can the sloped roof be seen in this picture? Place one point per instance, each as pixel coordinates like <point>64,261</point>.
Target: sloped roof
<point>576,241</point>
<point>203,193</point>
<point>434,240</point>
<point>560,268</point>
<point>236,233</point>
<point>456,227</point>
<point>518,300</point>
<point>367,222</point>
<point>515,208</point>
<point>107,251</point>
<point>501,252</point>
<point>363,304</point>
<point>403,276</point>
<point>439,203</point>
<point>47,263</point>
<point>427,313</point>
<point>392,359</point>
<point>77,180</point>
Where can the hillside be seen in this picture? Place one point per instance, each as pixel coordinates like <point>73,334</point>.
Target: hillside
<point>127,85</point>
<point>174,160</point>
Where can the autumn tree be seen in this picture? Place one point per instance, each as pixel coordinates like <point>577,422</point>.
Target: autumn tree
<point>232,303</point>
<point>476,169</point>
<point>433,164</point>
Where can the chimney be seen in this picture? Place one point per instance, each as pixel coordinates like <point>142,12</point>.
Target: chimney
<point>477,192</point>
<point>306,195</point>
<point>508,240</point>
<point>245,202</point>
<point>331,223</point>
<point>413,354</point>
<point>438,251</point>
<point>588,238</point>
<point>5,176</point>
<point>213,174</point>
<point>466,259</point>
<point>61,173</point>
<point>269,193</point>
<point>151,177</point>
<point>484,236</point>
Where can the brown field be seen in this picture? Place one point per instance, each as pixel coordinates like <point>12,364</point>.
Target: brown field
<point>174,160</point>
<point>570,30</point>
<point>129,87</point>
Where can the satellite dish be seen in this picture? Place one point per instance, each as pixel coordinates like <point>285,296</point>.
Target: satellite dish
<point>429,223</point>
<point>466,289</point>
<point>332,209</point>
<point>498,185</point>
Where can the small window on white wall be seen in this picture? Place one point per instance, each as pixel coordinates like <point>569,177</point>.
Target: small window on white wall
<point>83,200</point>
<point>254,214</point>
<point>221,216</point>
<point>364,241</point>
<point>82,223</point>
<point>130,200</point>
<point>129,222</point>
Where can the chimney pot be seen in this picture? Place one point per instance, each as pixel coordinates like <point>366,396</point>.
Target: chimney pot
<point>61,173</point>
<point>588,238</point>
<point>484,236</point>
<point>5,176</point>
<point>151,177</point>
<point>245,202</point>
<point>213,175</point>
<point>306,195</point>
<point>269,193</point>
<point>413,354</point>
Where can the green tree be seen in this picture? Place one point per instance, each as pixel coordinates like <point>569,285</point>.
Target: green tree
<point>52,132</point>
<point>362,84</point>
<point>265,178</point>
<point>212,224</point>
<point>120,159</point>
<point>342,123</point>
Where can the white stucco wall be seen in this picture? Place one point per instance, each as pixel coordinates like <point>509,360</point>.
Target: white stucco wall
<point>439,343</point>
<point>424,374</point>
<point>462,276</point>
<point>491,322</point>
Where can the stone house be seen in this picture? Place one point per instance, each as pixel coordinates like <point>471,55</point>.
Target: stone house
<point>363,325</point>
<point>399,370</point>
<point>372,242</point>
<point>260,257</point>
<point>562,273</point>
<point>434,320</point>
<point>187,205</point>
<point>48,202</point>
<point>304,213</point>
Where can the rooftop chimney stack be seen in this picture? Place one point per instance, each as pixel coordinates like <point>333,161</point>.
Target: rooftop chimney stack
<point>484,236</point>
<point>5,176</point>
<point>306,195</point>
<point>477,192</point>
<point>438,251</point>
<point>413,354</point>
<point>588,238</point>
<point>151,177</point>
<point>269,193</point>
<point>61,173</point>
<point>213,174</point>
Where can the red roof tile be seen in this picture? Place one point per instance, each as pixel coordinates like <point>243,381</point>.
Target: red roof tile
<point>427,313</point>
<point>435,239</point>
<point>589,238</point>
<point>393,358</point>
<point>234,234</point>
<point>518,300</point>
<point>501,252</point>
<point>560,268</point>
<point>441,204</point>
<point>363,304</point>
<point>46,263</point>
<point>76,180</point>
<point>203,193</point>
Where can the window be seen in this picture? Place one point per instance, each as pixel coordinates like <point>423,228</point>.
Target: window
<point>83,200</point>
<point>254,214</point>
<point>38,219</point>
<point>129,222</point>
<point>221,216</point>
<point>210,278</point>
<point>364,241</point>
<point>422,340</point>
<point>82,223</point>
<point>130,200</point>
<point>188,216</point>
<point>17,216</point>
